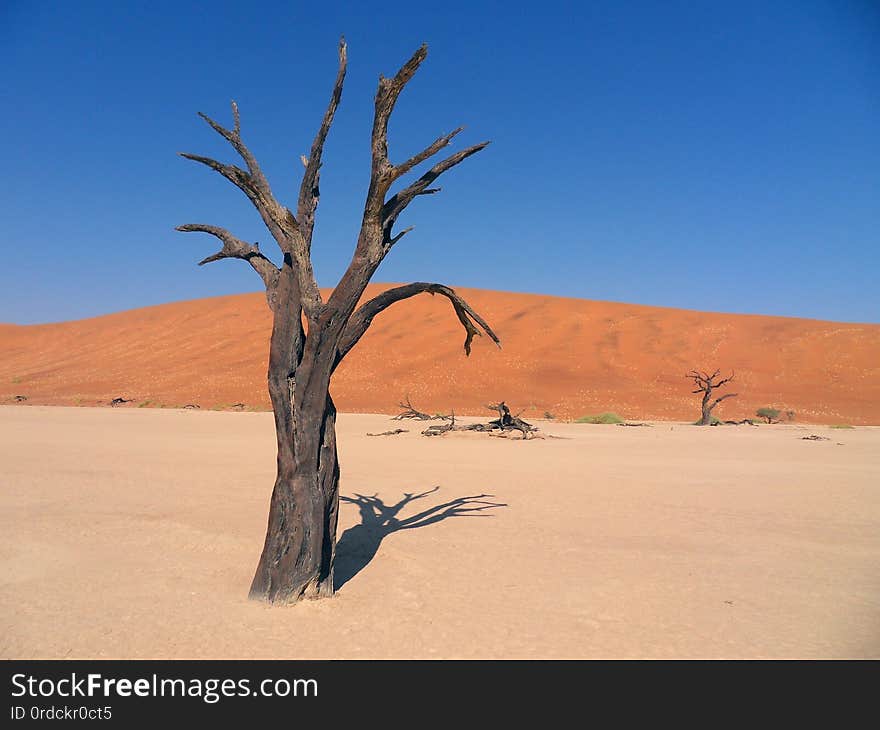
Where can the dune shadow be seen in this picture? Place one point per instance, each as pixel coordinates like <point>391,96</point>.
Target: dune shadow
<point>358,545</point>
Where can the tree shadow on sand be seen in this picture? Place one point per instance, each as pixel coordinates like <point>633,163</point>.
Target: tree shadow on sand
<point>358,545</point>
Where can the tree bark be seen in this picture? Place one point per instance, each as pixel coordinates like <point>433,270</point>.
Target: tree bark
<point>706,413</point>
<point>300,545</point>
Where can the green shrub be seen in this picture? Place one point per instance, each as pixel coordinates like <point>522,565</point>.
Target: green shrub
<point>771,414</point>
<point>841,425</point>
<point>713,421</point>
<point>607,418</point>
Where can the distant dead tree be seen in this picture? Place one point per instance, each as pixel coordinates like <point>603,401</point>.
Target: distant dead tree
<point>410,411</point>
<point>298,554</point>
<point>706,384</point>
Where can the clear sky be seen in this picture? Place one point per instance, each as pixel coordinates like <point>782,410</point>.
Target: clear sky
<point>721,156</point>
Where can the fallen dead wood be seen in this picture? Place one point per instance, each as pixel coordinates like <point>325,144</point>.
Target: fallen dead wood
<point>389,433</point>
<point>509,435</point>
<point>814,437</point>
<point>409,411</point>
<point>440,430</point>
<point>627,423</point>
<point>119,401</point>
<point>506,423</point>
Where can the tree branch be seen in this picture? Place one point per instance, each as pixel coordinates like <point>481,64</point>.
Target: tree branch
<point>363,317</point>
<point>726,380</point>
<point>429,151</point>
<point>704,381</point>
<point>726,395</point>
<point>279,220</point>
<point>233,136</point>
<point>400,235</point>
<point>234,174</point>
<point>386,98</point>
<point>309,190</point>
<point>253,183</point>
<point>375,238</point>
<point>396,204</point>
<point>234,247</point>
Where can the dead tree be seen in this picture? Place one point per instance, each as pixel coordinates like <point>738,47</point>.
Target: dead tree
<point>298,554</point>
<point>409,411</point>
<point>706,384</point>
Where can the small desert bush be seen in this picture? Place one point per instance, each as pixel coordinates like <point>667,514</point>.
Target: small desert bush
<point>841,425</point>
<point>608,418</point>
<point>713,421</point>
<point>145,404</point>
<point>771,414</point>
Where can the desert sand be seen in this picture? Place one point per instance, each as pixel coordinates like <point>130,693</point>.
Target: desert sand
<point>568,357</point>
<point>134,533</point>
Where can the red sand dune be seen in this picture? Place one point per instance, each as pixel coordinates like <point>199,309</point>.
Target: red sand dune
<point>569,357</point>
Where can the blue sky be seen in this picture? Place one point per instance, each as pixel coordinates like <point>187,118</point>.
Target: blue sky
<point>721,156</point>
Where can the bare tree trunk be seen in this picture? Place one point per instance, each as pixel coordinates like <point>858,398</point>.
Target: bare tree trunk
<point>706,413</point>
<point>300,545</point>
<point>298,552</point>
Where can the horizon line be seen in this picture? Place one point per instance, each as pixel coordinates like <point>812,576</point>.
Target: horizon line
<point>260,293</point>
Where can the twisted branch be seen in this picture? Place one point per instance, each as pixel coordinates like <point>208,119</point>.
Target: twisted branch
<point>279,219</point>
<point>376,237</point>
<point>363,317</point>
<point>235,248</point>
<point>252,183</point>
